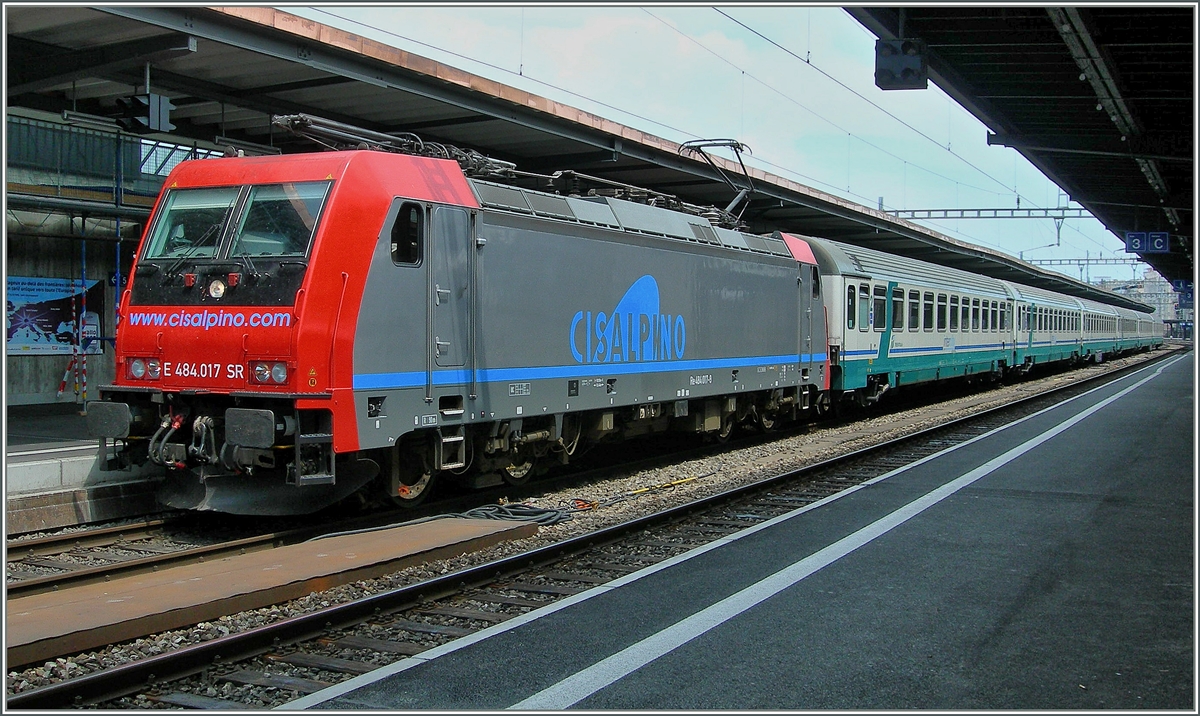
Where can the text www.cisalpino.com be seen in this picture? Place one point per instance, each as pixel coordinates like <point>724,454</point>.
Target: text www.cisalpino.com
<point>211,319</point>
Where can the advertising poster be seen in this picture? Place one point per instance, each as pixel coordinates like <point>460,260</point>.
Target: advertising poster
<point>40,317</point>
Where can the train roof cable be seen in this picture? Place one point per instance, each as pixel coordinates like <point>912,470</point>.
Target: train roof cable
<point>337,135</point>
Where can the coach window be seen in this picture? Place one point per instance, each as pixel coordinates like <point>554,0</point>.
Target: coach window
<point>898,308</point>
<point>406,235</point>
<point>975,314</point>
<point>927,306</point>
<point>1003,317</point>
<point>914,311</point>
<point>984,325</point>
<point>941,312</point>
<point>995,316</point>
<point>864,307</point>
<point>879,320</point>
<point>966,314</point>
<point>850,307</point>
<point>954,313</point>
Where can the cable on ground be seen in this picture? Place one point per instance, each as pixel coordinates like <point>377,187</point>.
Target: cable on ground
<point>582,505</point>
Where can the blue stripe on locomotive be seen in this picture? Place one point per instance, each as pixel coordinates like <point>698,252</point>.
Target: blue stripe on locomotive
<point>411,379</point>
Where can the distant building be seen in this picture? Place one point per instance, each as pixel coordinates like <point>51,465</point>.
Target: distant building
<point>1151,289</point>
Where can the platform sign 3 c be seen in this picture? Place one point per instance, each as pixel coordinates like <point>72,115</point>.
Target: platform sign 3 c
<point>1147,242</point>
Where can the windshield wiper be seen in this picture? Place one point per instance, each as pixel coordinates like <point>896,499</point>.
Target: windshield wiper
<point>172,272</point>
<point>249,264</point>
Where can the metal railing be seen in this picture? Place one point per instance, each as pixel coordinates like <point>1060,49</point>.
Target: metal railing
<point>58,160</point>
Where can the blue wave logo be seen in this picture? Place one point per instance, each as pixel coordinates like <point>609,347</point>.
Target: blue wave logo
<point>635,331</point>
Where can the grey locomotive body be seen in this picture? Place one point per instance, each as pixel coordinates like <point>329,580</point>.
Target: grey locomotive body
<point>553,322</point>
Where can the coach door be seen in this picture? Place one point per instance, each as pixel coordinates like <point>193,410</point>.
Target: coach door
<point>450,292</point>
<point>810,322</point>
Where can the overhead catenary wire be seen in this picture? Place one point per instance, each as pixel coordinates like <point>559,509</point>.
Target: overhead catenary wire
<point>786,170</point>
<point>519,73</point>
<point>641,117</point>
<point>864,98</point>
<point>808,109</point>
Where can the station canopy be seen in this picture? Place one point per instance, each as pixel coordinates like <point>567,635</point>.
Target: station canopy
<point>228,71</point>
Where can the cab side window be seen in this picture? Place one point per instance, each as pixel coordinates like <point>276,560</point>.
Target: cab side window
<point>406,235</point>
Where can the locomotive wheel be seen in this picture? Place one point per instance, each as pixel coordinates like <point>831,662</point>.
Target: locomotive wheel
<point>518,472</point>
<point>411,479</point>
<point>767,420</point>
<point>726,430</point>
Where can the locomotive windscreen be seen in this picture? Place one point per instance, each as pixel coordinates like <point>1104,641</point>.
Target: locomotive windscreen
<point>260,233</point>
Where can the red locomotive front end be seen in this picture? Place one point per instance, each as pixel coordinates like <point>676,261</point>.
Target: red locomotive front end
<point>233,349</point>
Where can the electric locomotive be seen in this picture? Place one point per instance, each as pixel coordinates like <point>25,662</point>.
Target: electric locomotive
<point>299,328</point>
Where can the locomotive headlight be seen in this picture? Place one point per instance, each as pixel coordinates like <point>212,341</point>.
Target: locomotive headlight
<point>137,368</point>
<point>262,372</point>
<point>279,372</point>
<point>154,369</point>
<point>216,289</point>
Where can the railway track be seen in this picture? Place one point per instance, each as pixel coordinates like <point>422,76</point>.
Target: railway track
<point>77,558</point>
<point>275,663</point>
<point>71,560</point>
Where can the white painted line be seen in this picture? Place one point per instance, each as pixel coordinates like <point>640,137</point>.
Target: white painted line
<point>582,684</point>
<point>357,682</point>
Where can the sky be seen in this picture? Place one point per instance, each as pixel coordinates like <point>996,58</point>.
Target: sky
<point>794,83</point>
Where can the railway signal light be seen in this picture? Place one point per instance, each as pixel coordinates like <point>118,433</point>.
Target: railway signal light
<point>145,113</point>
<point>901,64</point>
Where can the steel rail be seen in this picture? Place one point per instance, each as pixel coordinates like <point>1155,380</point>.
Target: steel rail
<point>65,542</point>
<point>135,676</point>
<point>141,565</point>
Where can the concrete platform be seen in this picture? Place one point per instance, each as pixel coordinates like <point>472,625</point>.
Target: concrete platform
<point>1045,565</point>
<point>50,475</point>
<point>51,423</point>
<point>77,619</point>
